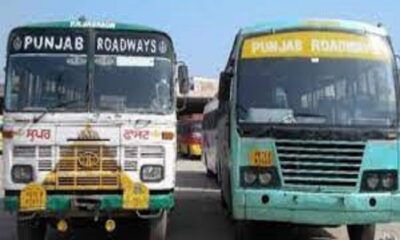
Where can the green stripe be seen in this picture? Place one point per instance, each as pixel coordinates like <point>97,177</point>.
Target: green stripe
<point>62,203</point>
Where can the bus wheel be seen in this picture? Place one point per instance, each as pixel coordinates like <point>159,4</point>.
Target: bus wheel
<point>31,229</point>
<point>158,227</point>
<point>361,232</point>
<point>243,230</point>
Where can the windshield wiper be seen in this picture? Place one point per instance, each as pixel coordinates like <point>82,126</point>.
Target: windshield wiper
<point>61,104</point>
<point>311,115</point>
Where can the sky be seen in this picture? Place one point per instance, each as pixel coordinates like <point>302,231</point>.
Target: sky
<point>203,30</point>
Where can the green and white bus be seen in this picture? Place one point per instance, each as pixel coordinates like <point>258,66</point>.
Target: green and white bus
<point>90,126</point>
<point>308,126</point>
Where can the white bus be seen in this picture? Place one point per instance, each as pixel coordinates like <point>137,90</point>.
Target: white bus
<point>90,126</point>
<point>209,142</point>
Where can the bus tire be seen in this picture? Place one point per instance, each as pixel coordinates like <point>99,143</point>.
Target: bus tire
<point>31,229</point>
<point>243,230</point>
<point>361,232</point>
<point>158,227</point>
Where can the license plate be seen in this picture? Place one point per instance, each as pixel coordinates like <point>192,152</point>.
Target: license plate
<point>33,198</point>
<point>136,197</point>
<point>261,158</point>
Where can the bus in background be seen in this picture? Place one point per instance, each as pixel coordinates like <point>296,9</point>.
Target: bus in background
<point>189,135</point>
<point>209,156</point>
<point>308,127</point>
<point>90,126</point>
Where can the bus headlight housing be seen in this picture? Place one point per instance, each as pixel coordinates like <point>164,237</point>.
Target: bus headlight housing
<point>152,173</point>
<point>388,180</point>
<point>259,177</point>
<point>372,181</point>
<point>22,173</point>
<point>379,180</point>
<point>249,177</point>
<point>265,178</point>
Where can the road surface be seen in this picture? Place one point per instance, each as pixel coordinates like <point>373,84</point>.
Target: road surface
<point>198,216</point>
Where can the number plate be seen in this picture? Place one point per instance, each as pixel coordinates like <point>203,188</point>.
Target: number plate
<point>33,198</point>
<point>261,158</point>
<point>136,197</point>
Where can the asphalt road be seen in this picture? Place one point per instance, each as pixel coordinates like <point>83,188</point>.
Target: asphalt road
<point>198,216</point>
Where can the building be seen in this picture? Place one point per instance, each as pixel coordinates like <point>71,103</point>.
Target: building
<point>202,90</point>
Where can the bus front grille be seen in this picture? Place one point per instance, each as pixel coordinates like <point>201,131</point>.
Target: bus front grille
<point>69,158</point>
<point>75,172</point>
<point>320,163</point>
<point>88,182</point>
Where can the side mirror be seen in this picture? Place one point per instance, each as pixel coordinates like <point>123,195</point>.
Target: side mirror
<point>224,86</point>
<point>183,78</point>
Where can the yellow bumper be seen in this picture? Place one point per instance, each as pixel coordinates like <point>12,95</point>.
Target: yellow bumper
<point>136,196</point>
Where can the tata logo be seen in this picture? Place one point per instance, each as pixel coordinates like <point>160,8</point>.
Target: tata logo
<point>88,160</point>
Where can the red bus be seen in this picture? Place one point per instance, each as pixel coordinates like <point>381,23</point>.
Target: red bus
<point>190,136</point>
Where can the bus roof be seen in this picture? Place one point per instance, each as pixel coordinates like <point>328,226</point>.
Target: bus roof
<point>314,24</point>
<point>92,24</point>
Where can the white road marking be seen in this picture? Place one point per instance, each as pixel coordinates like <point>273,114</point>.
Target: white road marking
<point>197,190</point>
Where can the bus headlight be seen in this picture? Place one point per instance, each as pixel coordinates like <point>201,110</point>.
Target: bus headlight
<point>152,173</point>
<point>388,180</point>
<point>249,177</point>
<point>372,181</point>
<point>259,177</point>
<point>22,173</point>
<point>379,180</point>
<point>265,178</point>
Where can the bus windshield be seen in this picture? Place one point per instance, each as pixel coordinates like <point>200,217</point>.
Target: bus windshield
<point>344,88</point>
<point>41,81</point>
<point>133,84</point>
<point>115,71</point>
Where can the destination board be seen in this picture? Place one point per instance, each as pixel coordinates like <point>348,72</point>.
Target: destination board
<point>320,44</point>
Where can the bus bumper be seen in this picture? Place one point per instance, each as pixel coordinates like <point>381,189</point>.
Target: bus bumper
<point>316,208</point>
<point>108,203</point>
